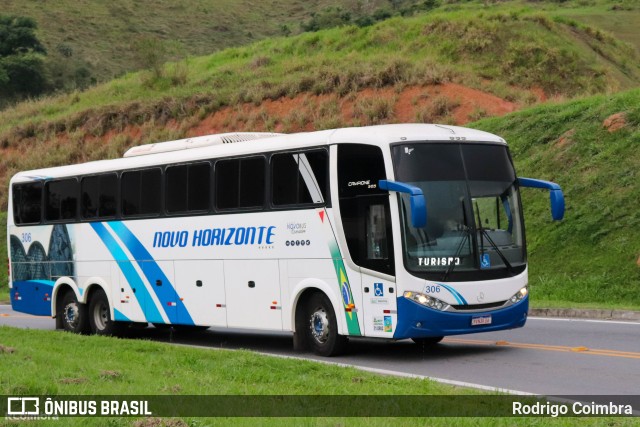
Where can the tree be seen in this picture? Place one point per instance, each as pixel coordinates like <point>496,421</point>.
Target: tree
<point>17,35</point>
<point>22,71</point>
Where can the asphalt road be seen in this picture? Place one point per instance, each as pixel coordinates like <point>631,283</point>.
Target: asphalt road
<point>548,356</point>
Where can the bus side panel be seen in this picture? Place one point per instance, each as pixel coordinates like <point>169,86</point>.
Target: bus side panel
<point>201,284</point>
<point>253,294</point>
<point>31,267</point>
<point>379,306</point>
<point>32,297</point>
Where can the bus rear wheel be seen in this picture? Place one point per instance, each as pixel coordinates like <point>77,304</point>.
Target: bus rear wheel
<point>74,314</point>
<point>322,327</point>
<point>100,315</point>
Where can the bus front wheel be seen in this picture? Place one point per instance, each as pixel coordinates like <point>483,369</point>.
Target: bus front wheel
<point>322,327</point>
<point>74,314</point>
<point>100,315</point>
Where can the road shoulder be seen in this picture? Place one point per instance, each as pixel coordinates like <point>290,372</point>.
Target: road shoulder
<point>625,315</point>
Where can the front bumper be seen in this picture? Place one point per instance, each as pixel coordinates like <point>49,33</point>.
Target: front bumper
<point>435,323</point>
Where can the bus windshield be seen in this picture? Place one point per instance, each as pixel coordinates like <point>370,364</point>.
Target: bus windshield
<point>474,227</point>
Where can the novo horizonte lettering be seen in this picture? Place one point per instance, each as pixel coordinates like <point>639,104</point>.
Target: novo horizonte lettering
<point>230,236</point>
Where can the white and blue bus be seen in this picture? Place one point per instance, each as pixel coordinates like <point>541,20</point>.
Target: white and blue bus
<point>394,232</point>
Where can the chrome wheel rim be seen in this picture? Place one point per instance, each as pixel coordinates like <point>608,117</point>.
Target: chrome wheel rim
<point>71,314</point>
<point>319,325</point>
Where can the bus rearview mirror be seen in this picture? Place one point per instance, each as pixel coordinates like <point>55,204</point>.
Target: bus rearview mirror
<point>556,197</point>
<point>417,201</point>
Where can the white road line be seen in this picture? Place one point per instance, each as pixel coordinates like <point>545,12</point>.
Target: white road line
<point>565,319</point>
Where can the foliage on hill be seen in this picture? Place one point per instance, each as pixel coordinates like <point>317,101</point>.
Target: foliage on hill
<point>593,256</point>
<point>99,35</point>
<point>494,51</point>
<point>21,59</point>
<point>99,41</point>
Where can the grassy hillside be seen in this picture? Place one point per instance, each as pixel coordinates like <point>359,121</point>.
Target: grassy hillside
<point>593,256</point>
<point>498,52</point>
<point>101,33</point>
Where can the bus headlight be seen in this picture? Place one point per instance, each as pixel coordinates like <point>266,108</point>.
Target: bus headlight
<point>519,296</point>
<point>426,300</point>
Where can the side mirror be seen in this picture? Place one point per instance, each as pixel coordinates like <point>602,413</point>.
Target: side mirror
<point>556,198</point>
<point>416,198</point>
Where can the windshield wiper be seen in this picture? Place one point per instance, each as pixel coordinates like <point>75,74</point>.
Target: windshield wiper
<point>480,227</point>
<point>484,233</point>
<point>467,232</point>
<point>498,251</point>
<point>458,250</point>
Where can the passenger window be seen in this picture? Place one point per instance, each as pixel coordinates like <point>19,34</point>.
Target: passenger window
<point>61,200</point>
<point>98,196</point>
<point>27,203</point>
<point>187,188</point>
<point>299,178</point>
<point>240,183</point>
<point>141,192</point>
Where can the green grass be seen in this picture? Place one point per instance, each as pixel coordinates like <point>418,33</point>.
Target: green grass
<point>57,363</point>
<point>100,33</point>
<point>591,256</point>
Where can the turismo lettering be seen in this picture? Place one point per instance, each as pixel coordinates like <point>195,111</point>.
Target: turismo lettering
<point>436,261</point>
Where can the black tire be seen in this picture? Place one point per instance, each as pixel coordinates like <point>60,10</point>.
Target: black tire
<point>427,342</point>
<point>321,327</point>
<point>73,314</point>
<point>100,315</point>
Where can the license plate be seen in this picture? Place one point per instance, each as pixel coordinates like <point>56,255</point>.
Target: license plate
<point>482,320</point>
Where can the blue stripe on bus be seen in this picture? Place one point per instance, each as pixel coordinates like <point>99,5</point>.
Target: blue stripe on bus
<point>455,294</point>
<point>166,293</point>
<point>118,316</point>
<point>150,310</point>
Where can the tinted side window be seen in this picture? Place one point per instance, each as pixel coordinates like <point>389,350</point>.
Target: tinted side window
<point>27,203</point>
<point>285,180</point>
<point>187,187</point>
<point>240,183</point>
<point>360,167</point>
<point>98,196</point>
<point>141,192</point>
<point>299,178</point>
<point>199,185</point>
<point>61,200</point>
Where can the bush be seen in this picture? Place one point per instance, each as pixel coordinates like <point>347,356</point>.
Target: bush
<point>373,111</point>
